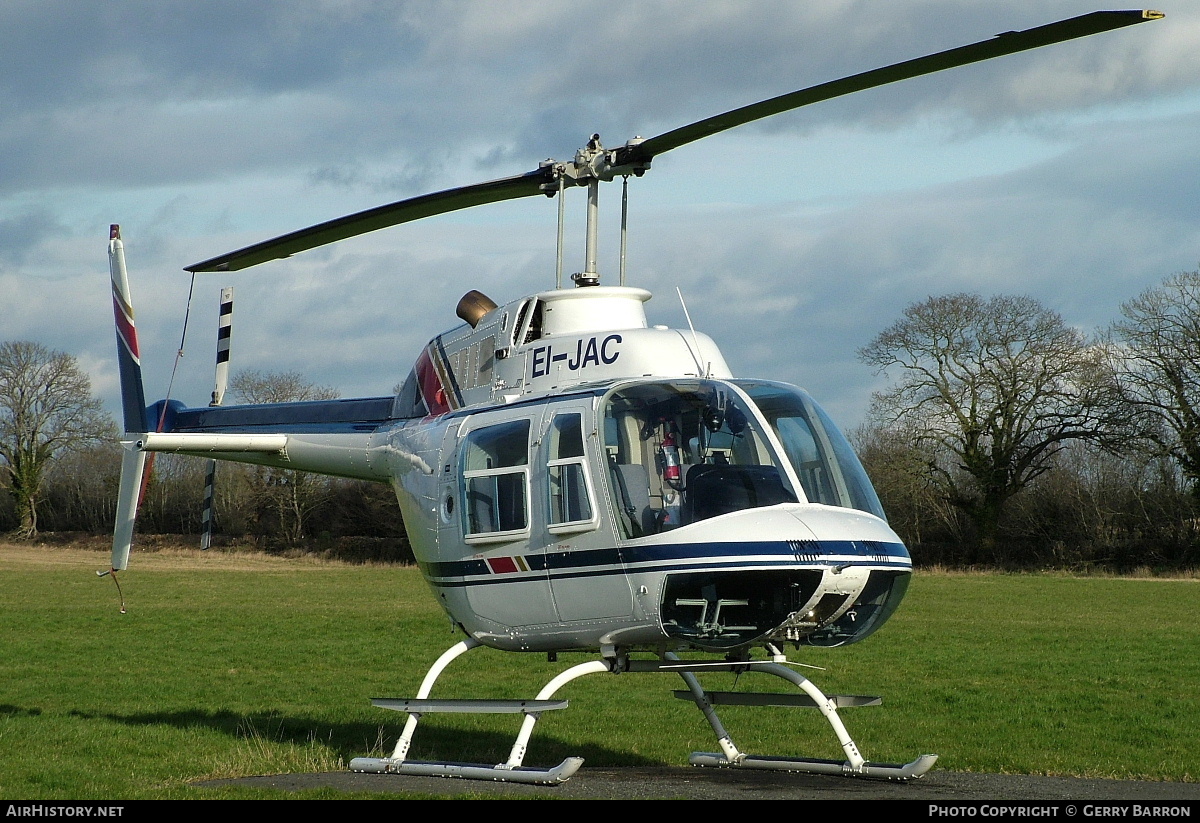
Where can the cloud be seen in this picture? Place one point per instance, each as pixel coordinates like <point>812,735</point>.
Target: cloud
<point>172,92</point>
<point>204,127</point>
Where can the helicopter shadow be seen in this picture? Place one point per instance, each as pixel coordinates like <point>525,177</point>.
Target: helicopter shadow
<point>9,710</point>
<point>434,741</point>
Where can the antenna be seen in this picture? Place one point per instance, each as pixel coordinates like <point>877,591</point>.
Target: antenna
<point>701,369</point>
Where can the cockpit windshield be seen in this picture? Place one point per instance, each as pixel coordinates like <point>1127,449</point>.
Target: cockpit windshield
<point>686,451</point>
<point>827,466</point>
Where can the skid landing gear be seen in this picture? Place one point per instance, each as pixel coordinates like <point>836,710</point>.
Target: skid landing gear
<point>513,771</point>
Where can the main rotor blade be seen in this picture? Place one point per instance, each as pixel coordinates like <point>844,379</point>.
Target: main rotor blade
<point>1002,44</point>
<point>535,182</point>
<point>379,217</point>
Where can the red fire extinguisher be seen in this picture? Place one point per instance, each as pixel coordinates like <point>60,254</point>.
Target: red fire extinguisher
<point>670,461</point>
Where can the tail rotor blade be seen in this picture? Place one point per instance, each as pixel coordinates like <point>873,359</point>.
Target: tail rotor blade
<point>220,384</point>
<point>224,335</point>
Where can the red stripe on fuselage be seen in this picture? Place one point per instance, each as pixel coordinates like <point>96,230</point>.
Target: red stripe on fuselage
<point>502,565</point>
<point>432,390</point>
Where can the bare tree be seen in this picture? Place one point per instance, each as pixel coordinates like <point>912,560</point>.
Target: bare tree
<point>277,387</point>
<point>1157,369</point>
<point>80,490</point>
<point>900,470</point>
<point>991,390</point>
<point>46,409</point>
<point>289,497</point>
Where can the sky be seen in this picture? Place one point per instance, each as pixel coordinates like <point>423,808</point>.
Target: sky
<point>1067,173</point>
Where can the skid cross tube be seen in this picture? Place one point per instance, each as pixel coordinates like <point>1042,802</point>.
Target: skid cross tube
<point>512,770</point>
<point>855,764</point>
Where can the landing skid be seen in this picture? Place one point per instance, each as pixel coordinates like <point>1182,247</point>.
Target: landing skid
<point>853,766</point>
<point>513,771</point>
<point>429,768</point>
<point>881,771</point>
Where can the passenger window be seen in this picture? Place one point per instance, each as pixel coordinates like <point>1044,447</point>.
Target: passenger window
<point>495,477</point>
<point>570,491</point>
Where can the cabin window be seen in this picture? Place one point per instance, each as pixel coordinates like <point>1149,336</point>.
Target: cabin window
<point>409,403</point>
<point>571,507</point>
<point>528,326</point>
<point>495,478</point>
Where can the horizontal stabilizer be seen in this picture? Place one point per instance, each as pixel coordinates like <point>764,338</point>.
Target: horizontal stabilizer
<point>205,442</point>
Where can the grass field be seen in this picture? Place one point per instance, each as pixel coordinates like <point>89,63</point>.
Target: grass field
<point>230,665</point>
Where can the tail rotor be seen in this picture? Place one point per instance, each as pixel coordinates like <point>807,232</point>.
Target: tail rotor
<point>221,382</point>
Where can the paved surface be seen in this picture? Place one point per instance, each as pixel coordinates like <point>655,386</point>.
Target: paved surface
<point>731,784</point>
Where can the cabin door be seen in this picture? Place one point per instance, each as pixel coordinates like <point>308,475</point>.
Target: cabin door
<point>587,576</point>
<point>487,472</point>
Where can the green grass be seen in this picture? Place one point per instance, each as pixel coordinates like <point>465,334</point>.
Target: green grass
<point>227,666</point>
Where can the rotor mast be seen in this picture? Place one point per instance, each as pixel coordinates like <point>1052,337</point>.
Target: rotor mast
<point>593,165</point>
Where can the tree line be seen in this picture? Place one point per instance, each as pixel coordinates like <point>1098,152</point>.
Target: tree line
<point>1005,437</point>
<point>61,462</point>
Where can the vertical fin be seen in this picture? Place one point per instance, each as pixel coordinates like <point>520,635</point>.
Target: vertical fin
<point>133,397</point>
<point>133,402</point>
<point>133,464</point>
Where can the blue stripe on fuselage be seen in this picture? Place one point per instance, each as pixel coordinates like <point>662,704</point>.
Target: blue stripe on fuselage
<point>306,417</point>
<point>673,557</point>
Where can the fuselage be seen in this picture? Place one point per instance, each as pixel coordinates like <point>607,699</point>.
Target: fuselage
<point>573,479</point>
<point>558,523</point>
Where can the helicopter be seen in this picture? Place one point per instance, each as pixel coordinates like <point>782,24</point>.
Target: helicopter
<point>574,479</point>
